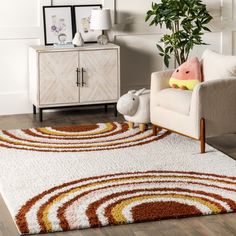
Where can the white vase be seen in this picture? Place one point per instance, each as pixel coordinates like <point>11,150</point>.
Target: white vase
<point>78,40</point>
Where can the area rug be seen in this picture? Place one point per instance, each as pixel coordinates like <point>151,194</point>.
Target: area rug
<point>66,178</point>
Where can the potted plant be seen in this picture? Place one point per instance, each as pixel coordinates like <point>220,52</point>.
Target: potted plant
<point>186,20</point>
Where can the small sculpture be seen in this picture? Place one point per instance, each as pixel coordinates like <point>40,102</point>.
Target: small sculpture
<point>135,106</point>
<point>78,40</point>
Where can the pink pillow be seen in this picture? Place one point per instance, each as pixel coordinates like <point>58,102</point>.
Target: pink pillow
<point>187,75</point>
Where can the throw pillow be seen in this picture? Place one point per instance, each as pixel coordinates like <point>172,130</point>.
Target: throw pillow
<point>187,76</point>
<point>217,66</point>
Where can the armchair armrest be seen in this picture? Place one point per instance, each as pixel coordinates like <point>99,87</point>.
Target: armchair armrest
<point>159,81</point>
<point>215,101</point>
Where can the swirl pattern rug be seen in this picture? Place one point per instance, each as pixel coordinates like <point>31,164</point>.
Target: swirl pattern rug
<point>104,136</point>
<point>77,177</point>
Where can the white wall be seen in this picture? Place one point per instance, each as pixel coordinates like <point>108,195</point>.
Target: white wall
<point>20,26</point>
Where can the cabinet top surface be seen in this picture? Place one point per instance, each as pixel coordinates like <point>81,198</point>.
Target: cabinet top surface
<point>92,46</point>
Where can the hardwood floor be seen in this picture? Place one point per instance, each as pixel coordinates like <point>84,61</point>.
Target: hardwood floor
<point>221,225</point>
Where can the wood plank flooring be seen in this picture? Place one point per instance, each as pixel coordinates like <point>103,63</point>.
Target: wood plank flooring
<point>218,225</point>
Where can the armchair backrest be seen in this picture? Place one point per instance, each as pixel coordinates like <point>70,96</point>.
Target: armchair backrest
<point>217,66</point>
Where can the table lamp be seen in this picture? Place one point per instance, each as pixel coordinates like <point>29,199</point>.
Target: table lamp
<point>101,20</point>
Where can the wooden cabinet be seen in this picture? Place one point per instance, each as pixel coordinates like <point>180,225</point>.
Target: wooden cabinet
<point>99,68</point>
<point>57,83</point>
<point>72,77</point>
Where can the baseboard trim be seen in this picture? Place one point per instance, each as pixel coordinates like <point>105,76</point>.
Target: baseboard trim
<point>12,103</point>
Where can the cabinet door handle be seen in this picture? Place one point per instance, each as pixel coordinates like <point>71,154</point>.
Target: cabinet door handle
<point>77,77</point>
<point>82,70</point>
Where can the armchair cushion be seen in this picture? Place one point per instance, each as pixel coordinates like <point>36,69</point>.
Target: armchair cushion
<point>176,100</point>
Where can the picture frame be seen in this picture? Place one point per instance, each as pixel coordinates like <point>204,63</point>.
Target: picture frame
<point>58,24</point>
<point>82,15</point>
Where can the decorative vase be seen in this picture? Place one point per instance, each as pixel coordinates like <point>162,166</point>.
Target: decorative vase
<point>78,40</point>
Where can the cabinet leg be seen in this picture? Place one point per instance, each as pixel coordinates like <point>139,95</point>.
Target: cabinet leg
<point>106,108</point>
<point>115,110</point>
<point>40,114</point>
<point>34,110</point>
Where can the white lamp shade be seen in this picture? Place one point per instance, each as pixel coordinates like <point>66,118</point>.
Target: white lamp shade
<point>100,19</point>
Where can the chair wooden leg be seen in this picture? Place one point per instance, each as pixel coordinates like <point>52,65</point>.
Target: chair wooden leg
<point>154,130</point>
<point>203,135</point>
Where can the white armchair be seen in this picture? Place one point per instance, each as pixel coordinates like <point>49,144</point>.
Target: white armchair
<point>208,110</point>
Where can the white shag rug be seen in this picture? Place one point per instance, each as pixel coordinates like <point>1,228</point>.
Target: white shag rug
<point>64,178</point>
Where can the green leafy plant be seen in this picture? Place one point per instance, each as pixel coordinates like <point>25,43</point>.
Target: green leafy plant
<point>186,20</point>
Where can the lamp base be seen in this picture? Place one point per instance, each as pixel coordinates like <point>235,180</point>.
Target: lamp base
<point>102,39</point>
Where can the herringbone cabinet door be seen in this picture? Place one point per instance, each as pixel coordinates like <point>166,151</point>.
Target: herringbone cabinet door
<point>58,78</point>
<point>100,76</point>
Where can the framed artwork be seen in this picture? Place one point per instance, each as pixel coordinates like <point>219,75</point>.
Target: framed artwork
<point>58,24</point>
<point>82,15</point>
